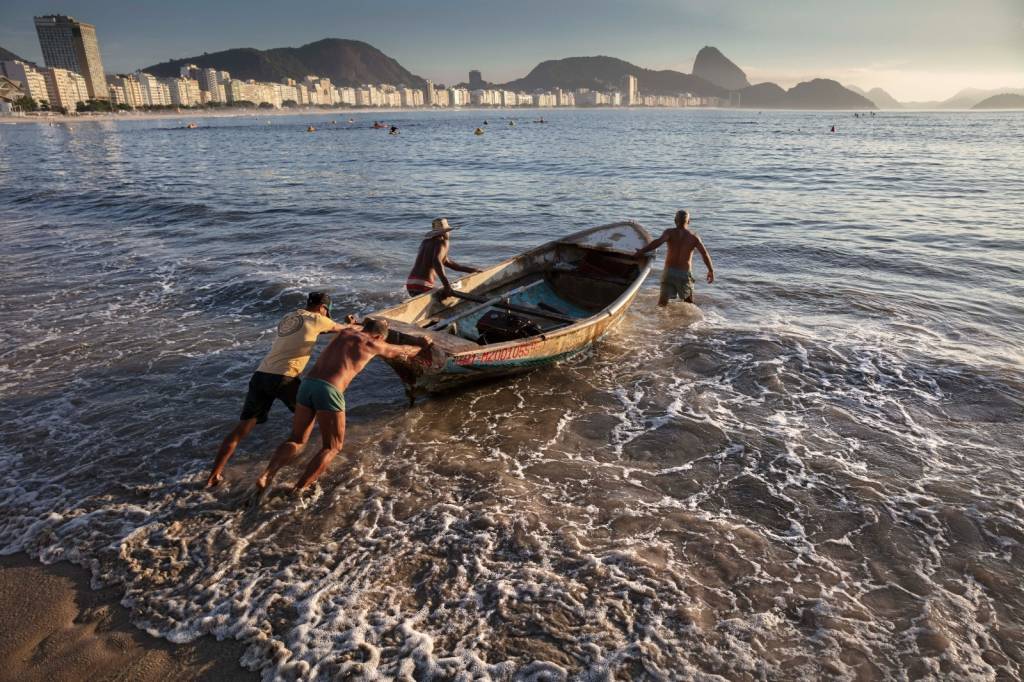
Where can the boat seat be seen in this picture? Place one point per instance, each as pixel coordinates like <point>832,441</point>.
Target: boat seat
<point>401,331</point>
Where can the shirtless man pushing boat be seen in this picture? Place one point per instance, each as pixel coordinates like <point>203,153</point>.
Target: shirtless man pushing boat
<point>432,259</point>
<point>321,396</point>
<point>677,278</point>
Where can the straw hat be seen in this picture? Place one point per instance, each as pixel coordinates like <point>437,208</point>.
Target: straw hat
<point>440,226</point>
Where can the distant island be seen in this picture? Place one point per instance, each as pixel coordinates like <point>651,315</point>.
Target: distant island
<point>714,76</point>
<point>345,62</point>
<point>1006,100</point>
<point>601,73</point>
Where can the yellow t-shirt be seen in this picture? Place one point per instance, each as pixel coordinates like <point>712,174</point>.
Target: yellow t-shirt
<point>296,336</point>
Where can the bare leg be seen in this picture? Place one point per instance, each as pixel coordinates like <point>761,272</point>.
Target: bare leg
<point>227,448</point>
<point>332,431</point>
<point>662,301</point>
<point>689,299</point>
<point>288,451</point>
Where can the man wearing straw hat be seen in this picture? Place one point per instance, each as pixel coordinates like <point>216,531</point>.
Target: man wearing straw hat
<point>433,258</point>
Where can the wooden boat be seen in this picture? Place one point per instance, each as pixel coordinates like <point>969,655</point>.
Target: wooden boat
<point>561,297</point>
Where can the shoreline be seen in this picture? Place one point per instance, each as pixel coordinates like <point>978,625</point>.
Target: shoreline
<point>56,627</point>
<point>386,112</point>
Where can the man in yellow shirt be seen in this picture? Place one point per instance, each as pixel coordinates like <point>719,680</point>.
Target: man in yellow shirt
<point>277,377</point>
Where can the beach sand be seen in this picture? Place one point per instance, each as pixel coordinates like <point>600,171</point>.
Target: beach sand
<point>55,627</point>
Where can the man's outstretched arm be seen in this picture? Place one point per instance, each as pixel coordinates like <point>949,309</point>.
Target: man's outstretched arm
<point>707,260</point>
<point>654,244</point>
<point>398,350</point>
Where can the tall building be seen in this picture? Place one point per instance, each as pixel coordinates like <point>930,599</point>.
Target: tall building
<point>65,88</point>
<point>429,94</point>
<point>32,82</point>
<point>154,93</point>
<point>127,86</point>
<point>476,80</point>
<point>631,91</point>
<point>72,45</point>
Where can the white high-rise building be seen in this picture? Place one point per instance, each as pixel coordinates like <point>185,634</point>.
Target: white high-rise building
<point>154,93</point>
<point>179,92</point>
<point>631,87</point>
<point>66,88</point>
<point>131,89</point>
<point>464,97</point>
<point>32,82</point>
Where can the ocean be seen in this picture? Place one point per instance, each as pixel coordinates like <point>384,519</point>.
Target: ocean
<point>818,473</point>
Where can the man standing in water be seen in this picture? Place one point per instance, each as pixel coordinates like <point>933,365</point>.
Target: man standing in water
<point>433,257</point>
<point>277,377</point>
<point>321,396</point>
<point>677,280</point>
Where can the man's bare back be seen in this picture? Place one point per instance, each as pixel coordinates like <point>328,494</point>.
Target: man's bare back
<point>349,352</point>
<point>681,245</point>
<point>677,279</point>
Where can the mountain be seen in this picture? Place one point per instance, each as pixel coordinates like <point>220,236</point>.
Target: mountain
<point>345,62</point>
<point>598,73</point>
<point>819,93</point>
<point>1006,100</point>
<point>763,96</point>
<point>822,93</point>
<point>715,67</point>
<point>965,99</point>
<point>8,56</point>
<point>882,99</point>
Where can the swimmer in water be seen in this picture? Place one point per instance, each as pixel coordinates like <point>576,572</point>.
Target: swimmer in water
<point>677,278</point>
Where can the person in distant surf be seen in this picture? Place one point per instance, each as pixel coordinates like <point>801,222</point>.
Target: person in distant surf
<point>432,259</point>
<point>322,397</point>
<point>677,278</point>
<point>393,131</point>
<point>277,377</point>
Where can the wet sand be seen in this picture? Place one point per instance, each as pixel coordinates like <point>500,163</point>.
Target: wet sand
<point>54,627</point>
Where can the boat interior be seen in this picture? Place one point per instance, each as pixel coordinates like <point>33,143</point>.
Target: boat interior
<point>534,295</point>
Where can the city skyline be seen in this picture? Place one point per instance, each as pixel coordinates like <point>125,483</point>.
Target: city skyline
<point>921,51</point>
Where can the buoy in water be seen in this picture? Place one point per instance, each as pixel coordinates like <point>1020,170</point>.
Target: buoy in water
<point>478,131</point>
<point>310,129</point>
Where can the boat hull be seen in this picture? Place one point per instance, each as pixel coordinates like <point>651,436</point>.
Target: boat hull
<point>445,370</point>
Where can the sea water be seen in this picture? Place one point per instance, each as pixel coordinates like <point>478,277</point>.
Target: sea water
<point>818,473</point>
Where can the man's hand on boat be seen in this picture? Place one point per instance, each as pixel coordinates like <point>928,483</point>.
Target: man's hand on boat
<point>447,289</point>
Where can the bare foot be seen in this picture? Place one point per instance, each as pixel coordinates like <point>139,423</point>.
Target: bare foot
<point>254,500</point>
<point>214,480</point>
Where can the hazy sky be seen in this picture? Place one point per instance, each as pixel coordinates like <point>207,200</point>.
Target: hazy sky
<point>915,49</point>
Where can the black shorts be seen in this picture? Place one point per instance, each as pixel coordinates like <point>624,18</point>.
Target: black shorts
<point>264,389</point>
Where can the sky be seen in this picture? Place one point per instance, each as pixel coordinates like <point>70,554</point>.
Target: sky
<point>915,49</point>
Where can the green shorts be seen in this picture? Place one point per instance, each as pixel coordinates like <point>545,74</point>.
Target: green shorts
<point>320,395</point>
<point>676,282</point>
